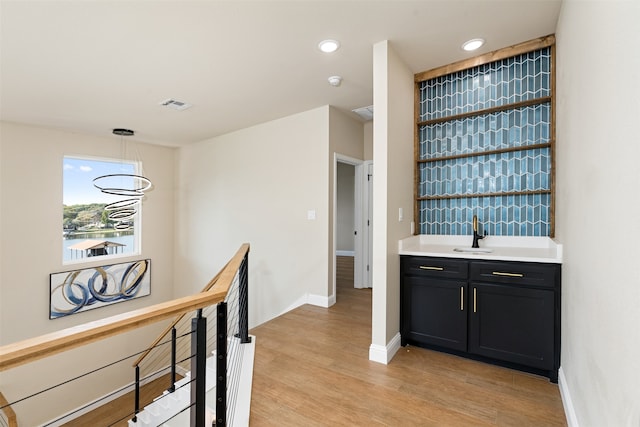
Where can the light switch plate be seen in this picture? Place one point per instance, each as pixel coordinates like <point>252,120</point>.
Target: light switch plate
<point>311,214</point>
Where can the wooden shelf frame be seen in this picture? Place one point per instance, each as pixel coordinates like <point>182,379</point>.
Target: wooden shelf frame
<point>487,152</point>
<point>479,195</point>
<point>508,52</point>
<point>486,111</point>
<point>496,55</point>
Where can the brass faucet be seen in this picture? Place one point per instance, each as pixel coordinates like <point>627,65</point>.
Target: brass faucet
<point>476,235</point>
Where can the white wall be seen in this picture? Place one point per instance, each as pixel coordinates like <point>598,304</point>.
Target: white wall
<point>597,215</point>
<point>368,140</point>
<point>392,189</point>
<point>257,185</point>
<point>31,222</point>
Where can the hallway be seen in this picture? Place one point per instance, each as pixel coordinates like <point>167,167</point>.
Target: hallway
<point>312,369</point>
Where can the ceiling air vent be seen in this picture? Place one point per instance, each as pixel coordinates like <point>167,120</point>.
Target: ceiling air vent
<point>175,104</point>
<point>365,113</point>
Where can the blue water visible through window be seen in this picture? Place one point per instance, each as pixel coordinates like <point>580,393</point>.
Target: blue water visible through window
<point>84,216</point>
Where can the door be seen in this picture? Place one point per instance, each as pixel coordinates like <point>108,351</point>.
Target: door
<point>349,233</point>
<point>512,323</point>
<point>435,312</point>
<point>368,225</point>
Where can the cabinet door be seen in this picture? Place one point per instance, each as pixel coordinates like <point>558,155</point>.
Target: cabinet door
<point>435,312</point>
<point>513,324</point>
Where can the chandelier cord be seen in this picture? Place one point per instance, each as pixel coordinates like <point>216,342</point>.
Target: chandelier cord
<point>124,210</point>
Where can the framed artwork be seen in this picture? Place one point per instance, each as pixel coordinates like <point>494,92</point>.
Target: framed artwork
<point>88,288</point>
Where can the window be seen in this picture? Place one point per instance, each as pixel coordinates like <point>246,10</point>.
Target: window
<point>99,221</point>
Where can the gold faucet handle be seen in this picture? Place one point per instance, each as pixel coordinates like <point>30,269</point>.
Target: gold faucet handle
<point>475,223</point>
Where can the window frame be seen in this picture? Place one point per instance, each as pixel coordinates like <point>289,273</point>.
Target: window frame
<point>102,198</point>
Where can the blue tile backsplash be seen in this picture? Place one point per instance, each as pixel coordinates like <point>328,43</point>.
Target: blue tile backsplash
<point>524,77</point>
<point>518,127</point>
<point>526,215</point>
<point>519,78</point>
<point>514,171</point>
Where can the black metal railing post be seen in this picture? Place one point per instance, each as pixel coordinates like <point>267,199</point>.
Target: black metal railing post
<point>221,366</point>
<point>243,303</point>
<point>172,387</point>
<point>198,369</point>
<point>136,400</point>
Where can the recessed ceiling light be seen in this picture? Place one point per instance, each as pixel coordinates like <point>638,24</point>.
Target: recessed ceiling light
<point>328,46</point>
<point>472,44</point>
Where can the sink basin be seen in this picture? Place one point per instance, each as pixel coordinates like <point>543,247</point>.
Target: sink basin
<point>474,250</point>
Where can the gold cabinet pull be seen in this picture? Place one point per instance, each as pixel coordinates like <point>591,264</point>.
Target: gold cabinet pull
<point>461,298</point>
<point>474,300</point>
<point>501,273</point>
<point>427,267</point>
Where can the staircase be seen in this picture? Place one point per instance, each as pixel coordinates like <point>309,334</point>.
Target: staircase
<point>172,409</point>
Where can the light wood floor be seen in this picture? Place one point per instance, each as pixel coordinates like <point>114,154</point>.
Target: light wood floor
<point>312,369</point>
<point>344,271</point>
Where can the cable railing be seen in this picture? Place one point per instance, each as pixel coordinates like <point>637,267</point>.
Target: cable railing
<point>227,322</point>
<point>224,301</point>
<point>155,358</point>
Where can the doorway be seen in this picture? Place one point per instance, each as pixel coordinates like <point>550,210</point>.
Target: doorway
<point>352,221</point>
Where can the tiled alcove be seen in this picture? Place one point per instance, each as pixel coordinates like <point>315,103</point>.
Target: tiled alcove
<point>484,146</point>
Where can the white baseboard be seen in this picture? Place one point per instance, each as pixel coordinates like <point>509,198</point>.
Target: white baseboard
<point>332,300</point>
<point>345,253</point>
<point>300,301</point>
<point>384,354</point>
<point>321,301</point>
<point>569,410</point>
<point>317,300</point>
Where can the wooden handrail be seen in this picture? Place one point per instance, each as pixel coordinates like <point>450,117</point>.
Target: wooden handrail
<point>168,329</point>
<point>8,411</point>
<point>32,349</point>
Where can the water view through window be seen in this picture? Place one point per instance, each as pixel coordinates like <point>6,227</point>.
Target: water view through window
<point>87,229</point>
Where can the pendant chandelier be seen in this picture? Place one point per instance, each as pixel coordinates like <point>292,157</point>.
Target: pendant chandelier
<point>122,211</point>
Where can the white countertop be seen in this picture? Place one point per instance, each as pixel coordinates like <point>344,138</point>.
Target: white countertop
<point>504,248</point>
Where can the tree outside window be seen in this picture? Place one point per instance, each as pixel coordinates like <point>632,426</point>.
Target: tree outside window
<point>88,229</point>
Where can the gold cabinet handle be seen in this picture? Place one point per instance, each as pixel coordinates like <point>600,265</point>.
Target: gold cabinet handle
<point>461,298</point>
<point>501,273</point>
<point>474,300</point>
<point>427,267</point>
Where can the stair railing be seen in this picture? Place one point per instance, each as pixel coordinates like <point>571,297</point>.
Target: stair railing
<point>7,416</point>
<point>229,326</point>
<point>178,319</point>
<point>30,350</point>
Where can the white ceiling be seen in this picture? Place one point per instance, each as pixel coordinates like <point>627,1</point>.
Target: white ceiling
<point>90,66</point>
